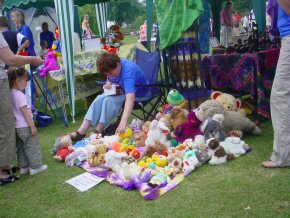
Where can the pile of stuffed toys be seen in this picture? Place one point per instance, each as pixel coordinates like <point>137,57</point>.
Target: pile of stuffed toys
<point>176,142</point>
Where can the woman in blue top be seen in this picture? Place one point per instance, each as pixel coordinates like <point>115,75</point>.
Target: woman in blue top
<point>104,108</point>
<point>18,19</point>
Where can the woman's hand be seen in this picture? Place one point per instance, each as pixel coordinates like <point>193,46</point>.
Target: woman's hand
<point>108,86</point>
<point>121,128</point>
<point>33,130</point>
<point>36,61</point>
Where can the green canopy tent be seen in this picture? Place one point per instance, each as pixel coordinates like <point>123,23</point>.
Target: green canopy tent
<point>65,16</point>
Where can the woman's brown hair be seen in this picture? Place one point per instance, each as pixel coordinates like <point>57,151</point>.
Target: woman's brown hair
<point>107,62</point>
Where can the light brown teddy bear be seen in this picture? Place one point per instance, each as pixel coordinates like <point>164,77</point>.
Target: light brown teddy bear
<point>229,102</point>
<point>98,158</point>
<point>140,138</point>
<point>178,116</point>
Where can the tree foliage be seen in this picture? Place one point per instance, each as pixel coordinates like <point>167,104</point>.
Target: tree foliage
<point>125,11</point>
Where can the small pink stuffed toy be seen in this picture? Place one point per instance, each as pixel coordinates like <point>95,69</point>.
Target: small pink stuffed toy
<point>189,129</point>
<point>50,64</point>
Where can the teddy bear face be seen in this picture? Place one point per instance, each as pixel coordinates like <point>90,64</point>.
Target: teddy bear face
<point>229,102</point>
<point>209,108</point>
<point>101,149</point>
<point>66,140</point>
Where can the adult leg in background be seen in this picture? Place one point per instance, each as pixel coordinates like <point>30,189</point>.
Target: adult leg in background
<point>280,109</point>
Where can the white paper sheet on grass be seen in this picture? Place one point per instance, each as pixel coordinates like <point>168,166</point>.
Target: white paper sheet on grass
<point>85,181</point>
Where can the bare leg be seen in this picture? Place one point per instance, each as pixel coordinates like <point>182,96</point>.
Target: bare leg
<point>84,127</point>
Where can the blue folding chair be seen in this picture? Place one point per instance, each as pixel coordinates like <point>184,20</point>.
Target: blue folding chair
<point>149,106</point>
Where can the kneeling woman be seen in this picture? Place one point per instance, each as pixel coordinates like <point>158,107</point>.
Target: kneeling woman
<point>105,108</point>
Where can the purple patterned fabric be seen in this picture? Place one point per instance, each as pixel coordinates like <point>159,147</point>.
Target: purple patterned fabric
<point>236,71</point>
<point>137,182</point>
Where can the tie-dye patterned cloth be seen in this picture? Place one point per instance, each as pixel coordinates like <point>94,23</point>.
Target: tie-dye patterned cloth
<point>137,182</point>
<point>237,72</point>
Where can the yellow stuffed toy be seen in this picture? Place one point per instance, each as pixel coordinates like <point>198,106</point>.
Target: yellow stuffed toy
<point>98,158</point>
<point>124,137</point>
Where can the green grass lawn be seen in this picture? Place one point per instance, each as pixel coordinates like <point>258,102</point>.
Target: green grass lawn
<point>210,191</point>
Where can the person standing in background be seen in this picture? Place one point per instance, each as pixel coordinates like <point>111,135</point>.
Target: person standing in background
<point>246,23</point>
<point>227,23</point>
<point>16,41</point>
<point>143,34</point>
<point>18,19</point>
<point>46,35</point>
<point>280,94</point>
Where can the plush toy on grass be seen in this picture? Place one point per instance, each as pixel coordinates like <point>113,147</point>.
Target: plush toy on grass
<point>234,145</point>
<point>59,142</point>
<point>178,116</point>
<point>229,102</point>
<point>212,128</point>
<point>189,129</point>
<point>50,64</point>
<point>217,152</point>
<point>98,157</point>
<point>158,132</point>
<point>127,171</point>
<point>234,122</point>
<point>113,159</point>
<point>66,148</point>
<point>174,98</point>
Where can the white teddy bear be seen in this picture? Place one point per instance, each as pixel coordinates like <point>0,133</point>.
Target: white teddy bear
<point>234,145</point>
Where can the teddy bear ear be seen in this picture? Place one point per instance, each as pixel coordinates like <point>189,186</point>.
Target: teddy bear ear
<point>215,94</point>
<point>239,103</point>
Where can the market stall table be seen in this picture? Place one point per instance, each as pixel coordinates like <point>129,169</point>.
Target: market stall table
<point>250,73</point>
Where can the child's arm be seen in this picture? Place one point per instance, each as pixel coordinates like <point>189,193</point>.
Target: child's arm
<point>27,115</point>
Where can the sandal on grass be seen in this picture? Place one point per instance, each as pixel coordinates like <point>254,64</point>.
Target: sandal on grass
<point>270,164</point>
<point>76,136</point>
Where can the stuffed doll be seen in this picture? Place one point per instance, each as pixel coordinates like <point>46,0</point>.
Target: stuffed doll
<point>114,158</point>
<point>98,157</point>
<point>234,145</point>
<point>190,164</point>
<point>158,148</point>
<point>178,116</point>
<point>59,142</point>
<point>56,46</point>
<point>161,176</point>
<point>50,64</point>
<point>125,136</point>
<point>212,128</point>
<point>116,34</point>
<point>234,122</point>
<point>127,171</point>
<point>76,157</point>
<point>189,129</point>
<point>136,125</point>
<point>158,132</point>
<point>174,98</point>
<point>229,102</point>
<point>139,138</point>
<point>216,152</point>
<point>146,127</point>
<point>63,152</point>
